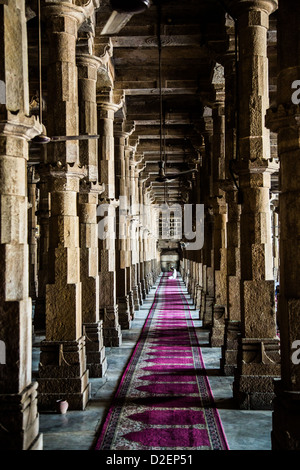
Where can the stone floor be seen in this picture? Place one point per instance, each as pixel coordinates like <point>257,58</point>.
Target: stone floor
<point>77,430</point>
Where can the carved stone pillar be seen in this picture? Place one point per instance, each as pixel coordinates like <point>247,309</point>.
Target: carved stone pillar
<point>141,240</point>
<point>258,354</point>
<point>121,135</point>
<point>275,233</point>
<point>134,228</point>
<point>43,214</point>
<point>62,372</point>
<point>284,119</point>
<point>90,189</point>
<point>205,127</point>
<point>220,215</point>
<point>108,103</point>
<point>233,321</point>
<point>191,281</point>
<point>199,287</point>
<point>32,232</point>
<point>209,292</point>
<point>19,419</point>
<point>138,241</point>
<point>128,151</point>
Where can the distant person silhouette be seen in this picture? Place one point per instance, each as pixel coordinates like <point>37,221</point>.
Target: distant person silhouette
<point>174,275</point>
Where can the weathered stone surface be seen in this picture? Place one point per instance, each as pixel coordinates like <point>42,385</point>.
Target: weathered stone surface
<point>216,338</point>
<point>63,374</point>
<point>18,395</point>
<point>95,350</point>
<point>19,420</point>
<point>232,332</point>
<point>108,86</point>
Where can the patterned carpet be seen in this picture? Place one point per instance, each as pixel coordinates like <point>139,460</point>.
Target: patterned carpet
<point>164,400</point>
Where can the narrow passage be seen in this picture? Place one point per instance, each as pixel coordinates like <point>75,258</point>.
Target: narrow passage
<point>164,400</point>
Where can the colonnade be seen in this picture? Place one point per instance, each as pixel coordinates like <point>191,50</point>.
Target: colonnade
<point>85,286</point>
<point>258,341</point>
<point>79,230</point>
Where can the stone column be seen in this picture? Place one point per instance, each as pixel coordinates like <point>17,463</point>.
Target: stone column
<point>275,234</point>
<point>138,242</point>
<point>134,228</point>
<point>128,262</point>
<point>258,355</point>
<point>62,372</point>
<point>32,233</point>
<point>108,103</point>
<point>220,212</point>
<point>233,320</point>
<point>18,394</point>
<point>120,136</point>
<point>284,119</point>
<point>209,287</point>
<point>90,189</point>
<point>43,214</point>
<point>139,252</point>
<point>141,240</point>
<point>205,128</point>
<point>199,145</point>
<point>199,286</point>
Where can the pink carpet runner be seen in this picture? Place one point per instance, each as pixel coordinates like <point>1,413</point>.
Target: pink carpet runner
<point>164,400</point>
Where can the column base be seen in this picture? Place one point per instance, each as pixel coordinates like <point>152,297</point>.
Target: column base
<point>258,366</point>
<point>143,289</point>
<point>20,420</point>
<point>198,297</point>
<point>125,316</point>
<point>131,304</point>
<point>140,293</point>
<point>202,308</point>
<point>216,337</point>
<point>136,299</point>
<point>285,434</point>
<point>228,361</point>
<point>111,328</point>
<point>95,350</point>
<point>63,374</point>
<point>148,284</point>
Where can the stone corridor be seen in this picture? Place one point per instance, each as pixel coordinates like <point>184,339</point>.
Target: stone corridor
<point>245,430</point>
<point>138,137</point>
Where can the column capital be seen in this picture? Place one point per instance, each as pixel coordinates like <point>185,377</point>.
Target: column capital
<point>287,115</point>
<point>229,62</point>
<point>123,129</point>
<point>91,187</point>
<point>257,166</point>
<point>103,48</point>
<point>133,143</point>
<point>239,7</point>
<point>88,60</point>
<point>52,9</point>
<point>24,126</point>
<point>110,100</point>
<point>218,85</point>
